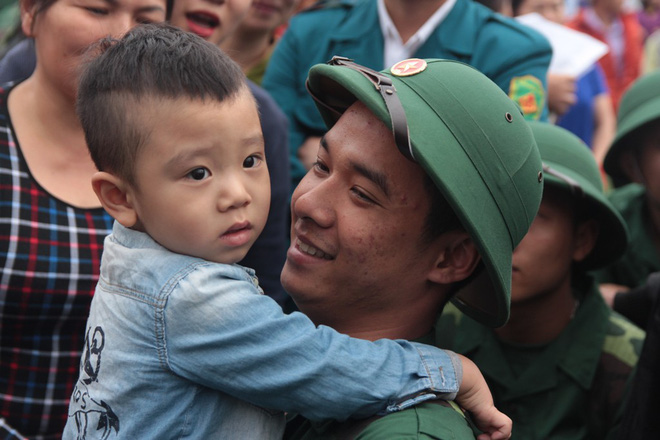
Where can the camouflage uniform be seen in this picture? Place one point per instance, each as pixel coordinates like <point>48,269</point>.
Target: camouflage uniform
<point>641,259</point>
<point>571,388</point>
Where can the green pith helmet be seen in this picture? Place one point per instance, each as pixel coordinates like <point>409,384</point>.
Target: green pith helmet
<point>639,106</point>
<point>569,165</point>
<point>473,142</point>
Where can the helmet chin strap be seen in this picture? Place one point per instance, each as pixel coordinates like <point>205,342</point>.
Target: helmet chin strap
<point>384,85</point>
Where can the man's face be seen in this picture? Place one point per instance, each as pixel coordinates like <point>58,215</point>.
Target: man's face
<point>649,164</point>
<point>542,260</point>
<point>357,225</point>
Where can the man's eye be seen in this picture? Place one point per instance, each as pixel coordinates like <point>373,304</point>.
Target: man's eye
<point>199,174</point>
<point>320,166</point>
<point>362,196</point>
<point>97,11</point>
<point>251,162</point>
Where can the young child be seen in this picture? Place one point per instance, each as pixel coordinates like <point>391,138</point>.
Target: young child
<point>180,341</point>
<point>562,364</point>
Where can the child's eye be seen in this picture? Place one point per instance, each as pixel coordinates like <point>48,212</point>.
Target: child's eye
<point>251,161</point>
<point>199,174</point>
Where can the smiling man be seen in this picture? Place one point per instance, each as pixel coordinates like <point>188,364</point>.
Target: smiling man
<point>425,182</point>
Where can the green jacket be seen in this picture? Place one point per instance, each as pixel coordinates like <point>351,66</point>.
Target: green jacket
<point>641,258</point>
<point>572,388</point>
<point>441,420</point>
<point>426,421</point>
<point>514,56</point>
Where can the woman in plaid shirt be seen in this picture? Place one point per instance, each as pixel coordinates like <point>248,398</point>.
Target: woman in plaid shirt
<point>51,224</point>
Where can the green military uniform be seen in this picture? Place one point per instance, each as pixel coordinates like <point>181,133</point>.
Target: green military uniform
<point>571,388</point>
<point>472,141</point>
<point>439,420</point>
<point>427,421</point>
<point>641,258</point>
<point>574,386</point>
<point>640,106</point>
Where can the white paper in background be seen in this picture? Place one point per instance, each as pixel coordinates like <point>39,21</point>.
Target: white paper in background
<point>573,52</point>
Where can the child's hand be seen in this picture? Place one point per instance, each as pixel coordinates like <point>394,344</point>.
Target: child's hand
<point>474,396</point>
<point>494,424</point>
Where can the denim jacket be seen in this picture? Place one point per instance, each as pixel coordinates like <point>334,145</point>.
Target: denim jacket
<point>179,347</point>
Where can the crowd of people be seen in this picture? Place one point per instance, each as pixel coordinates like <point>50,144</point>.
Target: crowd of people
<point>332,219</point>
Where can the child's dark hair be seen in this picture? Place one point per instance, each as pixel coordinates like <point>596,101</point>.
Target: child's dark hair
<point>152,62</point>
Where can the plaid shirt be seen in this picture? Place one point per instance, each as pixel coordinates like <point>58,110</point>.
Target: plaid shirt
<point>49,257</point>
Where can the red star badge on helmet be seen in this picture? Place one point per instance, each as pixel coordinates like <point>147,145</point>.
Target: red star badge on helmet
<point>411,66</point>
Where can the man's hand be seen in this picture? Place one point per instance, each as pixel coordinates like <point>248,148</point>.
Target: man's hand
<point>561,93</point>
<point>609,291</point>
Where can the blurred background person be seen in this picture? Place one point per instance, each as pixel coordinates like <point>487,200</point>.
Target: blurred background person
<point>252,44</point>
<point>379,33</point>
<point>608,21</point>
<point>582,105</point>
<point>649,16</point>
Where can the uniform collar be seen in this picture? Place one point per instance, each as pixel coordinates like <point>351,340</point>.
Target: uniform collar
<point>575,353</point>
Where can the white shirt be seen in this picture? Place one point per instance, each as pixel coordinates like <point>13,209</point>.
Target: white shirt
<point>395,50</point>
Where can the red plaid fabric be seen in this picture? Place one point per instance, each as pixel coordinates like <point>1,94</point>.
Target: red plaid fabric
<point>50,257</point>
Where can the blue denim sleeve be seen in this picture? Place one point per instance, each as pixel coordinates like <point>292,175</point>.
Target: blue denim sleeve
<point>223,334</point>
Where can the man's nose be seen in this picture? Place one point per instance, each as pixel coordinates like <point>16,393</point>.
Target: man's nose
<point>315,201</point>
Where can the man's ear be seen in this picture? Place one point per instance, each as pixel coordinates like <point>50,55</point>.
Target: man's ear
<point>586,236</point>
<point>115,196</point>
<point>457,259</point>
<point>28,14</point>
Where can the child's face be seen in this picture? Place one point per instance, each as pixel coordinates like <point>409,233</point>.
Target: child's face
<point>542,260</point>
<point>64,30</point>
<point>202,185</point>
<point>212,20</point>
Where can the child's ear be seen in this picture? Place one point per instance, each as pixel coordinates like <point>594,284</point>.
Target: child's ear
<point>114,195</point>
<point>457,259</point>
<point>585,239</point>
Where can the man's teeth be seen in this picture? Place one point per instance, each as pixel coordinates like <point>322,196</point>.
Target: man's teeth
<point>310,250</point>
